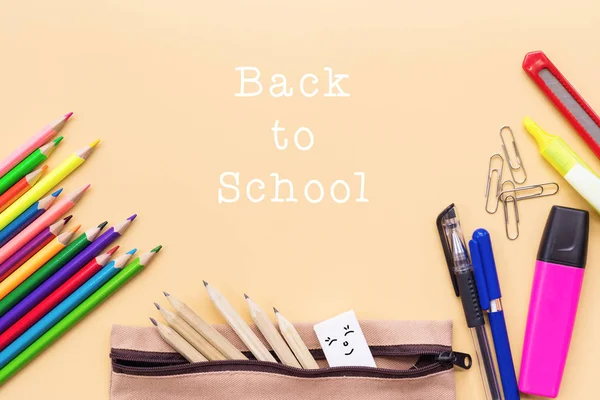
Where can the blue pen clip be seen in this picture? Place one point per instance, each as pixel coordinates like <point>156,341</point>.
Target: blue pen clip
<point>480,281</point>
<point>489,275</point>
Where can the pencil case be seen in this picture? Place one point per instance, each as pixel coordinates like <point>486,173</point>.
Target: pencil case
<point>414,360</point>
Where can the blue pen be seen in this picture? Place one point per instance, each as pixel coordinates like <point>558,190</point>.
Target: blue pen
<point>488,286</point>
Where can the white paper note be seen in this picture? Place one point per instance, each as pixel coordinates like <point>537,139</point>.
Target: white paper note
<point>343,342</point>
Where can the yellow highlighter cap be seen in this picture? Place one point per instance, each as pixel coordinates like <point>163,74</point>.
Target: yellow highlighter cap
<point>553,148</point>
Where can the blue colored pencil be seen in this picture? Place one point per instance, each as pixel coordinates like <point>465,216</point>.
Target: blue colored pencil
<point>27,217</point>
<point>64,308</point>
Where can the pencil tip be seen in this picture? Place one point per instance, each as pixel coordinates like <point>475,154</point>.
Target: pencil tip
<point>74,230</point>
<point>134,216</point>
<point>246,296</point>
<point>94,143</point>
<point>157,306</point>
<point>156,249</point>
<point>113,250</point>
<point>44,168</point>
<point>276,311</point>
<point>166,294</point>
<point>131,252</point>
<point>58,140</point>
<point>57,193</point>
<point>153,321</point>
<point>103,225</point>
<point>205,283</point>
<point>68,115</point>
<point>67,219</point>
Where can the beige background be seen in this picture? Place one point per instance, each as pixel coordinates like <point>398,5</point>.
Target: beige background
<point>431,83</point>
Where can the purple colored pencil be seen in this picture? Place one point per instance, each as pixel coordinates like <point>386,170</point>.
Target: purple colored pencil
<point>60,277</point>
<point>32,247</point>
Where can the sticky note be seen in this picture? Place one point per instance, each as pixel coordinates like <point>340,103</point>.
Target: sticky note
<point>343,342</point>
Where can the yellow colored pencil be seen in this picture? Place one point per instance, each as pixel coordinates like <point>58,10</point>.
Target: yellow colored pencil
<point>36,262</point>
<point>46,184</point>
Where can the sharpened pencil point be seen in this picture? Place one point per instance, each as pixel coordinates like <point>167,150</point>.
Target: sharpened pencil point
<point>134,216</point>
<point>156,249</point>
<point>154,321</point>
<point>132,251</point>
<point>57,193</point>
<point>276,311</point>
<point>113,250</point>
<point>157,306</point>
<point>57,140</point>
<point>68,115</point>
<point>67,219</point>
<point>74,230</point>
<point>166,294</point>
<point>205,283</point>
<point>44,168</point>
<point>95,143</point>
<point>246,296</point>
<point>103,225</point>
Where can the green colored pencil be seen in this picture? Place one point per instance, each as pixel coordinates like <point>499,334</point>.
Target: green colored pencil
<point>80,312</point>
<point>46,271</point>
<point>26,166</point>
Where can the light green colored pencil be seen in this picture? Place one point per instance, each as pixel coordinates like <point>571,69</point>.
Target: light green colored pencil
<point>65,324</point>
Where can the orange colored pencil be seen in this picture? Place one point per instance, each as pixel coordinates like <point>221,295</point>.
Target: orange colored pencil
<point>19,188</point>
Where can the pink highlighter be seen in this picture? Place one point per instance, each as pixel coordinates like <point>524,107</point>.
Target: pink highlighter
<point>554,299</point>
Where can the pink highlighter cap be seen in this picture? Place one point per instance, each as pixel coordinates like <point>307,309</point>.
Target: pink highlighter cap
<point>554,301</point>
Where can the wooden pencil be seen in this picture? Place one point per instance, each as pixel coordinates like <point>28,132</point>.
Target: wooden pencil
<point>240,327</point>
<point>190,335</point>
<point>178,343</point>
<point>293,339</point>
<point>20,188</point>
<point>270,333</point>
<point>205,329</point>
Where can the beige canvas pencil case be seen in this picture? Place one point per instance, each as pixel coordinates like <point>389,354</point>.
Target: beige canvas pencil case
<point>414,361</point>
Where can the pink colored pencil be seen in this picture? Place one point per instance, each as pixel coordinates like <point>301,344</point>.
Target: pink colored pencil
<point>20,188</point>
<point>50,216</point>
<point>33,143</point>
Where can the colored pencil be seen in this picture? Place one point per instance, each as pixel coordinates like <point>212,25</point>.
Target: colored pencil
<point>293,339</point>
<point>30,215</point>
<point>270,333</point>
<point>20,188</point>
<point>36,262</point>
<point>32,247</point>
<point>51,282</point>
<point>190,335</point>
<point>85,308</point>
<point>54,213</point>
<point>8,311</point>
<point>178,343</point>
<point>27,166</point>
<point>60,294</point>
<point>64,308</point>
<point>205,329</point>
<point>35,141</point>
<point>46,184</point>
<point>240,327</point>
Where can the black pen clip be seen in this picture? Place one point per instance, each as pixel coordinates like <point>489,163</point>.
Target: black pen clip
<point>449,212</point>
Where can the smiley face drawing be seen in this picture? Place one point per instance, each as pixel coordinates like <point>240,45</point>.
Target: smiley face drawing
<point>348,350</point>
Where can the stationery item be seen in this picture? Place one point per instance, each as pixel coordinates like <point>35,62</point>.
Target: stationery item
<point>35,141</point>
<point>190,335</point>
<point>10,309</point>
<point>64,308</point>
<point>239,325</point>
<point>554,300</point>
<point>535,191</point>
<point>463,281</point>
<point>27,166</point>
<point>205,329</point>
<point>30,215</point>
<point>46,184</point>
<point>293,339</point>
<point>490,297</point>
<point>567,163</point>
<point>495,168</point>
<point>55,212</point>
<point>36,262</point>
<point>52,282</point>
<point>564,97</point>
<point>20,188</point>
<point>511,219</point>
<point>7,336</point>
<point>415,361</point>
<point>80,312</point>
<point>266,327</point>
<point>32,247</point>
<point>343,342</point>
<point>515,166</point>
<point>178,343</point>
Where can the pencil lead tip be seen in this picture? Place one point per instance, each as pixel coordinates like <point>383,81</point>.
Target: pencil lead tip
<point>153,321</point>
<point>134,216</point>
<point>44,168</point>
<point>246,296</point>
<point>67,219</point>
<point>74,230</point>
<point>166,294</point>
<point>57,193</point>
<point>113,250</point>
<point>156,249</point>
<point>95,143</point>
<point>58,140</point>
<point>157,306</point>
<point>103,225</point>
<point>131,252</point>
<point>205,283</point>
<point>276,311</point>
<point>68,115</point>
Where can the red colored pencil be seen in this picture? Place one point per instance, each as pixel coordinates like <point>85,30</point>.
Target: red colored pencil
<point>19,188</point>
<point>55,298</point>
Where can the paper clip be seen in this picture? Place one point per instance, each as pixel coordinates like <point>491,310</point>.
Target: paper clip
<point>539,190</point>
<point>498,171</point>
<point>513,166</point>
<point>507,220</point>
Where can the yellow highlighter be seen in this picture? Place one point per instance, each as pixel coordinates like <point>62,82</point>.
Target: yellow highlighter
<point>575,171</point>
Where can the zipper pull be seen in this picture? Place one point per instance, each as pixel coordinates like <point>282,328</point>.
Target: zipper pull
<point>462,360</point>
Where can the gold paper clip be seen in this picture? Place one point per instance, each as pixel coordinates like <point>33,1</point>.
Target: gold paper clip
<point>498,171</point>
<point>512,230</point>
<point>518,164</point>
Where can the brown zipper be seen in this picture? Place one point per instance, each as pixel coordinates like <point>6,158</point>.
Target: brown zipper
<point>434,358</point>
